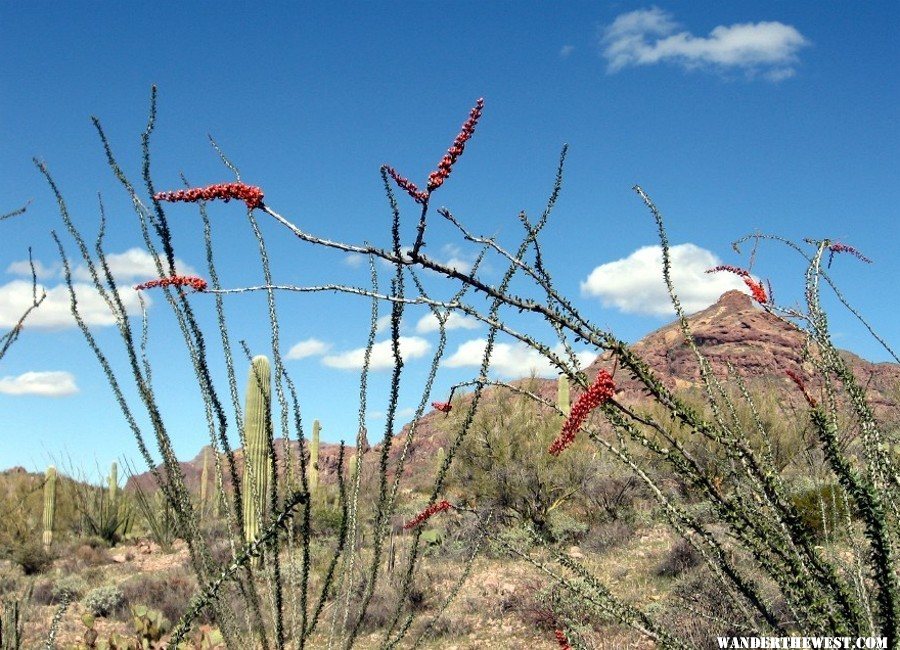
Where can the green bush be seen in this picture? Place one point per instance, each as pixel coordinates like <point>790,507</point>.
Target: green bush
<point>104,601</point>
<point>71,586</point>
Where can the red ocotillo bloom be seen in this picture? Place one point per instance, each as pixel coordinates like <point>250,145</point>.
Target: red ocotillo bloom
<point>249,194</point>
<point>427,513</point>
<point>198,284</point>
<point>438,176</point>
<point>562,640</point>
<point>838,247</point>
<point>600,392</point>
<point>407,185</point>
<point>443,407</point>
<point>756,288</point>
<point>445,166</point>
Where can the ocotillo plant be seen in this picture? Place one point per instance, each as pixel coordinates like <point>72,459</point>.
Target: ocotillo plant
<point>314,458</point>
<point>258,449</point>
<point>749,534</point>
<point>49,505</point>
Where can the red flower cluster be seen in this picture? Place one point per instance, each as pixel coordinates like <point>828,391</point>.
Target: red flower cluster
<point>198,284</point>
<point>443,407</point>
<point>797,379</point>
<point>562,640</point>
<point>756,288</point>
<point>407,185</point>
<point>438,176</point>
<point>600,392</point>
<point>838,247</point>
<point>427,513</point>
<point>249,194</point>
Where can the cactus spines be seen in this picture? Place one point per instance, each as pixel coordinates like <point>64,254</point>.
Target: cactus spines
<point>257,431</point>
<point>314,458</point>
<point>562,394</point>
<point>113,484</point>
<point>204,480</point>
<point>441,455</point>
<point>49,505</point>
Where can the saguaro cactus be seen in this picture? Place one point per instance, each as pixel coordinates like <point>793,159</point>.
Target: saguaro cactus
<point>562,394</point>
<point>204,480</point>
<point>113,484</point>
<point>49,505</point>
<point>314,458</point>
<point>257,430</point>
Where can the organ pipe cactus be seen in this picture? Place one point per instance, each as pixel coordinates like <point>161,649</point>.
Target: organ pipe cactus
<point>49,505</point>
<point>257,451</point>
<point>562,394</point>
<point>314,458</point>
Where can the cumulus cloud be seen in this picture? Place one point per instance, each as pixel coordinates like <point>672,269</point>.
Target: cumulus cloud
<point>511,359</point>
<point>429,323</point>
<point>635,283</point>
<point>411,347</point>
<point>55,383</point>
<point>54,312</point>
<point>133,264</point>
<point>23,267</point>
<point>308,348</point>
<point>651,36</point>
<point>455,258</point>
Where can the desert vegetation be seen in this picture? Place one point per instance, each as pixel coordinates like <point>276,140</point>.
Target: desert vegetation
<point>614,507</point>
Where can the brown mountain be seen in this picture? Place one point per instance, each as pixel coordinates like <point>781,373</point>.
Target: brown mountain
<point>735,336</point>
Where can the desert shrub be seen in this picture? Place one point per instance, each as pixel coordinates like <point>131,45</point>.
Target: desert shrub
<point>680,558</point>
<point>822,509</point>
<point>698,610</point>
<point>170,594</point>
<point>503,463</point>
<point>32,557</point>
<point>87,555</point>
<point>609,535</point>
<point>42,592</point>
<point>71,586</point>
<point>450,627</point>
<point>104,601</point>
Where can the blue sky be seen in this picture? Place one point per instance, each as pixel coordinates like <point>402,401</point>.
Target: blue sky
<point>774,116</point>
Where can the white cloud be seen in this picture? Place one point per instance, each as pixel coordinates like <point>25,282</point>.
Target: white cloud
<point>635,284</point>
<point>383,323</point>
<point>54,312</point>
<point>133,264</point>
<point>23,267</point>
<point>429,323</point>
<point>455,259</point>
<point>650,36</point>
<point>354,260</point>
<point>565,51</point>
<point>411,347</point>
<point>512,359</point>
<point>308,348</point>
<point>49,384</point>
